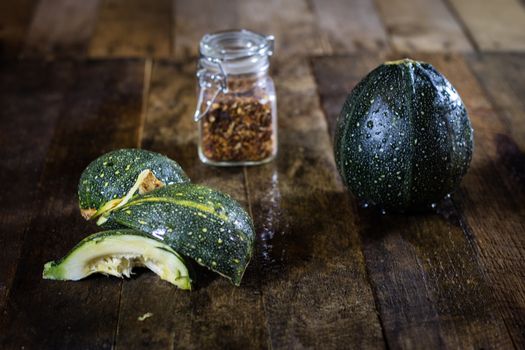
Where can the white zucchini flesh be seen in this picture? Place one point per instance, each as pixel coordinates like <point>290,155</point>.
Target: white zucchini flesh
<point>116,253</point>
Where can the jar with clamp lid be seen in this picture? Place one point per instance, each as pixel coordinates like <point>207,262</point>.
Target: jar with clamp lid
<point>236,106</point>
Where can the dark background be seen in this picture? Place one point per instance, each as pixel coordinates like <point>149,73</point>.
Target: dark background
<point>80,78</point>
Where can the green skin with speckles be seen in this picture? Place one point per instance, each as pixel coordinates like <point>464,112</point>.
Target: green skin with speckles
<point>403,139</point>
<point>113,174</point>
<point>204,224</point>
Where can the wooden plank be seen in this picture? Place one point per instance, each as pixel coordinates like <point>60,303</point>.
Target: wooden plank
<point>98,114</point>
<point>424,269</point>
<point>350,26</point>
<point>430,286</point>
<point>133,28</point>
<point>315,289</point>
<point>422,25</point>
<point>61,28</point>
<point>15,18</point>
<point>502,75</point>
<point>292,22</point>
<point>215,314</point>
<point>335,81</point>
<point>195,18</point>
<point>491,201</point>
<point>494,25</point>
<point>31,96</point>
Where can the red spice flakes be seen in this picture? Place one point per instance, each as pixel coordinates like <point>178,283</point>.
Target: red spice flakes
<point>238,129</point>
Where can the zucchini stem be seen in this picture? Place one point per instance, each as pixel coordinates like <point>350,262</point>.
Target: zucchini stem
<point>146,182</point>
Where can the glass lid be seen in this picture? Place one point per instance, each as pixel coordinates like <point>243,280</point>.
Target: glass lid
<point>236,44</point>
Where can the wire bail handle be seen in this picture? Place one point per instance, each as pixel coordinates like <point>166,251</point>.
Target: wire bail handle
<point>271,45</point>
<point>207,81</point>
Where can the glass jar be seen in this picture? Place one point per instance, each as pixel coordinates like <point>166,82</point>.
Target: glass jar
<point>236,107</point>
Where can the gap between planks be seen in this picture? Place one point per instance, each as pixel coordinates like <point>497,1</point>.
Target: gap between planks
<point>263,301</point>
<point>466,30</point>
<point>361,248</point>
<point>148,68</point>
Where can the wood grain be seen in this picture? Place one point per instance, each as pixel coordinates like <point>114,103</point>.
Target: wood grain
<point>15,18</point>
<point>422,25</point>
<point>429,285</point>
<point>350,26</point>
<point>491,202</point>
<point>133,28</point>
<point>424,270</point>
<point>292,22</point>
<point>335,78</point>
<point>314,279</point>
<point>67,37</point>
<point>31,97</point>
<point>502,76</point>
<point>494,25</point>
<point>54,314</point>
<point>326,273</point>
<point>215,314</point>
<point>192,22</point>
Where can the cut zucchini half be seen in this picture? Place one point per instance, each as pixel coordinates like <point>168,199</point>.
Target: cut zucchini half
<point>202,223</point>
<point>115,253</point>
<point>113,178</point>
<point>146,182</point>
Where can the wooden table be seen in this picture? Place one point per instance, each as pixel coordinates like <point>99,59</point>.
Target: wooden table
<point>80,78</point>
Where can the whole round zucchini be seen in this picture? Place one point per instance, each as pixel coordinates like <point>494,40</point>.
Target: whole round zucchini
<point>403,140</point>
<point>113,178</point>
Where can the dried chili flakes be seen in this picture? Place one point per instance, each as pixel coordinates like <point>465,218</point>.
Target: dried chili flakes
<point>238,129</point>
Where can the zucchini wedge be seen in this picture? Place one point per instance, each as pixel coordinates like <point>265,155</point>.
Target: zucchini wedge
<point>115,253</point>
<point>113,178</point>
<point>201,223</point>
